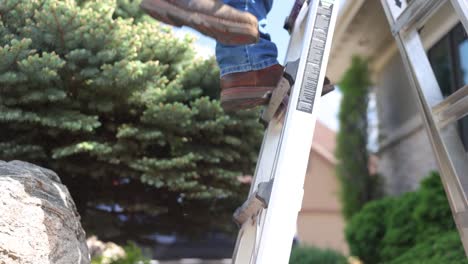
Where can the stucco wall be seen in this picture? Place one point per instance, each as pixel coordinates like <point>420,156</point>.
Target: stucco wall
<point>396,100</point>
<point>320,222</point>
<point>406,163</point>
<point>405,154</point>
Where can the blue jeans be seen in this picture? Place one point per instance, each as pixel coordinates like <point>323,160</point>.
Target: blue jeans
<point>250,57</point>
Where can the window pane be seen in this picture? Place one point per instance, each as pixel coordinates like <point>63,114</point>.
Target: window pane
<point>461,46</point>
<point>441,62</point>
<point>463,56</point>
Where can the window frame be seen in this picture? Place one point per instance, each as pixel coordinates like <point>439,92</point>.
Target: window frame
<point>456,75</point>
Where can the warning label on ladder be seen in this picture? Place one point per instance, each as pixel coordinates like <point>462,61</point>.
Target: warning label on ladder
<point>315,57</point>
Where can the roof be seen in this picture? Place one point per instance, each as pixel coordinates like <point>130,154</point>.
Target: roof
<point>362,29</point>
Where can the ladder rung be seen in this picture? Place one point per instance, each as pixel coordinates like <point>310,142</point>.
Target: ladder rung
<point>452,108</point>
<point>250,208</point>
<point>416,14</point>
<point>277,97</point>
<point>258,201</point>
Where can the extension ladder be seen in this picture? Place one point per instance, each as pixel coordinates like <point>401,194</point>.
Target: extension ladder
<point>268,218</point>
<point>439,114</point>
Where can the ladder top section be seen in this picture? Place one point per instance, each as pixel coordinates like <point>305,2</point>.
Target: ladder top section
<point>416,14</point>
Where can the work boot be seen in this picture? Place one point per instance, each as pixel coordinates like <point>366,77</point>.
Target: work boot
<point>245,90</point>
<point>211,17</point>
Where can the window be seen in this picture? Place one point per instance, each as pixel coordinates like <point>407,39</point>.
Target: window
<point>449,60</point>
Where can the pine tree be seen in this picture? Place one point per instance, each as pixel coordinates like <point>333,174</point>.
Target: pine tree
<point>357,185</point>
<point>120,109</point>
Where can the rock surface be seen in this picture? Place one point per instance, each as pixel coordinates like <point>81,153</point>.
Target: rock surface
<point>39,223</point>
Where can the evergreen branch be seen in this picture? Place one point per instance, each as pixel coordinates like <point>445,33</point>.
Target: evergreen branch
<point>59,28</point>
<point>67,120</point>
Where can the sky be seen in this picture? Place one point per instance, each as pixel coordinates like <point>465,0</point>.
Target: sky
<point>205,47</point>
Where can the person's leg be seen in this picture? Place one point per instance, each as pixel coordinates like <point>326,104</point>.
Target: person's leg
<point>211,17</point>
<point>251,57</point>
<point>249,72</point>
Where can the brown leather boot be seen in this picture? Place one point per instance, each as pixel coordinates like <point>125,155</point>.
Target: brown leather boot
<point>245,90</point>
<point>211,17</point>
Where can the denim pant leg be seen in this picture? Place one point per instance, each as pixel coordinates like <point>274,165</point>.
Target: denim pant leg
<point>250,57</point>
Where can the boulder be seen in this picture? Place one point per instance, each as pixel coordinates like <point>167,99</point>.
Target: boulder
<point>39,223</point>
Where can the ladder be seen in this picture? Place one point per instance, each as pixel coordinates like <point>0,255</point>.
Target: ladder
<point>268,218</point>
<point>439,114</point>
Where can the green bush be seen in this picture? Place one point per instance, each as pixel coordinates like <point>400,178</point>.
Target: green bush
<point>432,213</point>
<point>311,255</point>
<point>133,255</point>
<point>410,227</point>
<point>444,248</point>
<point>367,229</point>
<point>399,226</point>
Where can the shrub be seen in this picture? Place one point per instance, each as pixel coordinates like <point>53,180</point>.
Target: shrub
<point>133,255</point>
<point>415,228</point>
<point>443,248</point>
<point>366,230</point>
<point>433,212</point>
<point>400,226</point>
<point>311,255</point>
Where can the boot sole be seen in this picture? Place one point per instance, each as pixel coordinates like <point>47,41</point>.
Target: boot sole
<point>242,98</point>
<point>224,31</point>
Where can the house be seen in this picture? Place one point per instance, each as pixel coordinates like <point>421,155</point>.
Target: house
<point>404,151</point>
<point>320,222</point>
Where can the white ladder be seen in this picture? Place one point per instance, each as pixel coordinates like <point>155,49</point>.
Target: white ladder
<point>439,114</point>
<point>268,217</point>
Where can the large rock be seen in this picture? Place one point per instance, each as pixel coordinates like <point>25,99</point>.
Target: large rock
<point>39,223</point>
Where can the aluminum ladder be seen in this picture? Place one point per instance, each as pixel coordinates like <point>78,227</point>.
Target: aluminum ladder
<point>439,114</point>
<point>268,218</point>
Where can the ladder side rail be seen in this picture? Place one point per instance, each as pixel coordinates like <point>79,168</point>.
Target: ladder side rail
<point>461,7</point>
<point>245,243</point>
<point>286,199</point>
<point>264,167</point>
<point>263,251</point>
<point>292,61</point>
<point>250,232</point>
<point>248,235</point>
<point>416,14</point>
<point>447,145</point>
